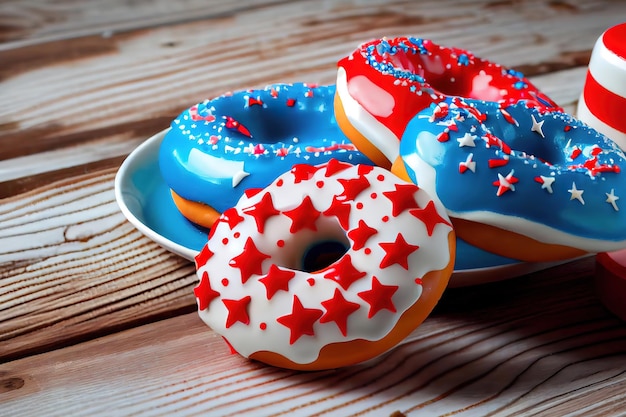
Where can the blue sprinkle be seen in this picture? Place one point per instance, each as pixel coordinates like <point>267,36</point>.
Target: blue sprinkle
<point>419,42</point>
<point>463,60</point>
<point>520,85</point>
<point>514,73</point>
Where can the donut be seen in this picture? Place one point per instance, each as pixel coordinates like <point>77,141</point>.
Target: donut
<point>516,181</point>
<point>610,281</point>
<point>603,99</point>
<point>216,149</point>
<point>328,266</point>
<point>385,82</point>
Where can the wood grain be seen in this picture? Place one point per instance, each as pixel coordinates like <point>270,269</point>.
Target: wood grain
<point>71,268</point>
<point>540,344</point>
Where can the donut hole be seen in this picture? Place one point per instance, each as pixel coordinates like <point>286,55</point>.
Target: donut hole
<point>452,81</point>
<point>552,149</point>
<point>322,254</point>
<point>277,121</point>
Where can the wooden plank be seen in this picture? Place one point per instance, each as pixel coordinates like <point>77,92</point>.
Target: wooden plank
<point>540,345</point>
<point>28,22</point>
<point>71,268</point>
<point>97,88</point>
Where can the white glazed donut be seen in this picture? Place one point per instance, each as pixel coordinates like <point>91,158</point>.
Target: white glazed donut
<point>328,266</point>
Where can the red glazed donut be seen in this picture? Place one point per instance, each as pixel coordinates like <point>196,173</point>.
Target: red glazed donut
<point>603,100</point>
<point>328,266</point>
<point>385,82</point>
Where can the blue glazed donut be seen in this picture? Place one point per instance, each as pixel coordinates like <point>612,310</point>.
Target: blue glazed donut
<point>527,184</point>
<point>219,148</point>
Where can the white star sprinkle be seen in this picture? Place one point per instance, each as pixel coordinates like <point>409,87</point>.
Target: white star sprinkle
<point>537,126</point>
<point>611,198</point>
<point>239,176</point>
<point>467,140</point>
<point>547,183</point>
<point>576,194</point>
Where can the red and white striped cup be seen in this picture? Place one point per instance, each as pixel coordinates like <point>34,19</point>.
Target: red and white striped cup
<point>602,104</point>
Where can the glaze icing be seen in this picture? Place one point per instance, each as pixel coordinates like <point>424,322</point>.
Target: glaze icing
<point>603,99</point>
<point>220,147</point>
<point>385,82</point>
<point>257,289</point>
<point>544,175</point>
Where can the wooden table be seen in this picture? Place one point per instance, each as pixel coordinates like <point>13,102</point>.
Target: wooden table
<point>95,319</point>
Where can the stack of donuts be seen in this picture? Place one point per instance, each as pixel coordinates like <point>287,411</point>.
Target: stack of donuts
<point>333,213</point>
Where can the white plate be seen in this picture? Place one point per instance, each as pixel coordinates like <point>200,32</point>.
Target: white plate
<point>144,199</point>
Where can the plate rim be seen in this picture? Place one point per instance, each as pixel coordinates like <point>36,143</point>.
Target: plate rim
<point>122,175</point>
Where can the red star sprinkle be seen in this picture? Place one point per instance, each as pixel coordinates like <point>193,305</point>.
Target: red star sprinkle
<point>301,320</point>
<point>341,210</point>
<point>303,172</point>
<point>276,279</point>
<point>343,272</point>
<point>262,211</point>
<point>232,217</point>
<point>429,216</point>
<point>360,235</point>
<point>237,311</point>
<point>338,309</point>
<point>204,293</point>
<point>397,252</point>
<point>203,256</point>
<point>352,187</point>
<point>304,216</point>
<point>402,198</point>
<point>379,297</point>
<point>334,166</point>
<point>249,261</point>
<point>364,169</point>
